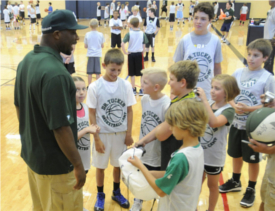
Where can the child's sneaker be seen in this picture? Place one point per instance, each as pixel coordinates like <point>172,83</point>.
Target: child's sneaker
<point>248,198</point>
<point>120,199</point>
<point>140,92</point>
<point>145,59</point>
<point>222,38</point>
<point>230,186</point>
<point>135,90</point>
<point>100,200</point>
<point>137,206</point>
<point>153,59</point>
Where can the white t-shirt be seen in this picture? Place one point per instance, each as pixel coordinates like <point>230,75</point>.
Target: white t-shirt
<point>106,12</point>
<point>123,14</point>
<point>244,10</point>
<point>37,9</point>
<point>22,7</point>
<point>233,7</point>
<point>112,8</point>
<point>32,14</point>
<point>172,9</point>
<point>94,40</point>
<point>9,7</point>
<point>116,22</point>
<point>6,15</point>
<point>126,7</point>
<point>28,8</point>
<point>216,7</point>
<point>110,87</point>
<point>133,16</point>
<point>269,27</point>
<point>98,11</point>
<point>15,10</point>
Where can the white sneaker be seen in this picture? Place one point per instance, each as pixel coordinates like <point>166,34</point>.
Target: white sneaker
<point>222,38</point>
<point>85,209</point>
<point>137,206</point>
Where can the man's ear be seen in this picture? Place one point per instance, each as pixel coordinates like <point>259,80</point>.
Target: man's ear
<point>57,35</point>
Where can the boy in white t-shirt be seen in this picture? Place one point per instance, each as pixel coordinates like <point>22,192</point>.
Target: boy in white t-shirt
<point>93,41</point>
<point>135,11</point>
<point>29,11</point>
<point>15,11</point>
<point>154,106</point>
<point>116,27</point>
<point>22,11</point>
<point>6,14</point>
<point>110,100</point>
<point>112,8</point>
<point>98,12</point>
<point>179,185</point>
<point>106,14</point>
<point>243,13</point>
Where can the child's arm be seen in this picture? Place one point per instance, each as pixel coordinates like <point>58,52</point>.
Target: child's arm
<point>123,48</point>
<point>217,68</point>
<point>128,139</point>
<point>158,174</point>
<point>92,129</point>
<point>149,177</point>
<point>245,108</point>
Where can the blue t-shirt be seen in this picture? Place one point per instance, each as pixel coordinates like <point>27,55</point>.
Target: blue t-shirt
<point>50,10</point>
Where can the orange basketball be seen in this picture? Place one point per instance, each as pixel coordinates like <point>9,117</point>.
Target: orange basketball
<point>144,9</point>
<point>46,10</point>
<point>31,2</point>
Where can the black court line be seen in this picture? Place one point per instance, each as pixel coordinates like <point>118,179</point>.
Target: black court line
<point>235,51</point>
<point>7,82</point>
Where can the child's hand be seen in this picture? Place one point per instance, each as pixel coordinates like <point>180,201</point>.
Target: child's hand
<point>201,94</point>
<point>99,146</point>
<point>67,61</point>
<point>126,53</point>
<point>139,143</point>
<point>93,129</point>
<point>135,161</point>
<point>242,107</point>
<point>128,140</point>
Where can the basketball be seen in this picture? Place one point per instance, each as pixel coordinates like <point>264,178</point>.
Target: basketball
<point>31,2</point>
<point>46,10</point>
<point>144,9</point>
<point>114,113</point>
<point>260,125</point>
<point>208,135</point>
<point>245,100</point>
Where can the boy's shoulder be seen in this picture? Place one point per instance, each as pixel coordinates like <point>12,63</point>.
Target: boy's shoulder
<point>237,71</point>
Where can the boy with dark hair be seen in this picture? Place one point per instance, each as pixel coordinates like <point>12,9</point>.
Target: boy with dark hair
<point>137,40</point>
<point>202,46</point>
<point>116,27</point>
<point>50,10</point>
<point>253,81</point>
<point>151,28</point>
<point>227,21</point>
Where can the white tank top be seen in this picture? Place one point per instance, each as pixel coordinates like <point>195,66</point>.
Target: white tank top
<point>250,92</point>
<point>33,13</point>
<point>106,15</point>
<point>204,55</point>
<point>180,7</point>
<point>135,42</point>
<point>172,9</point>
<point>214,142</point>
<point>123,13</point>
<point>151,27</point>
<point>98,11</point>
<point>37,9</point>
<point>185,195</point>
<point>111,112</point>
<point>84,144</point>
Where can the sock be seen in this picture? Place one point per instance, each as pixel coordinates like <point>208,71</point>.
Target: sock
<point>146,54</point>
<point>100,189</point>
<point>116,186</point>
<point>153,54</point>
<point>251,184</point>
<point>236,177</point>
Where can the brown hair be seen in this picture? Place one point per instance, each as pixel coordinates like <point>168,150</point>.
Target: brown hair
<point>262,45</point>
<point>134,22</point>
<point>114,56</point>
<point>205,7</point>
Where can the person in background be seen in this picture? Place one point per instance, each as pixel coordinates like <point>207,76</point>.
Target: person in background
<point>38,14</point>
<point>50,10</point>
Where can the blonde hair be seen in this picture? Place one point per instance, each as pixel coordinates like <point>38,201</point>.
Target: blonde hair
<point>134,22</point>
<point>156,75</point>
<point>188,114</point>
<point>189,70</point>
<point>135,8</point>
<point>122,6</point>
<point>229,84</point>
<point>94,23</point>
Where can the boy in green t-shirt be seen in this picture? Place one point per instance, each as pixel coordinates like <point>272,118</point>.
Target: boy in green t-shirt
<point>227,21</point>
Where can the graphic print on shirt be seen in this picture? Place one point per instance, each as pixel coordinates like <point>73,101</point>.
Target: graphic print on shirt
<point>150,121</point>
<point>208,139</point>
<point>83,143</point>
<point>114,115</point>
<point>204,61</point>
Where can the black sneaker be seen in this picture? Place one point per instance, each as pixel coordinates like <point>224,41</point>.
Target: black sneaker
<point>248,198</point>
<point>140,92</point>
<point>145,59</point>
<point>135,91</point>
<point>230,186</point>
<point>153,59</point>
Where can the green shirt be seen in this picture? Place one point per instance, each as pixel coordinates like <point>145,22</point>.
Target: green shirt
<point>228,13</point>
<point>45,94</point>
<point>127,38</point>
<point>229,114</point>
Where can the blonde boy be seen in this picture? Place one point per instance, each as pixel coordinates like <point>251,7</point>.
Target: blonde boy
<point>135,11</point>
<point>93,41</point>
<point>179,186</point>
<point>154,106</point>
<point>183,79</point>
<point>110,100</point>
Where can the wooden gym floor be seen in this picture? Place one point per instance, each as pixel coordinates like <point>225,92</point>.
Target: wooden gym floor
<point>15,44</point>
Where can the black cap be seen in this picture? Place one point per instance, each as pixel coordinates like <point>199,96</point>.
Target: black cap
<point>60,20</point>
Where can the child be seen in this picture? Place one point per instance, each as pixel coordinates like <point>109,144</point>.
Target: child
<point>147,10</point>
<point>106,14</point>
<point>7,18</point>
<point>154,6</point>
<point>164,9</point>
<point>127,9</point>
<point>191,11</point>
<point>227,21</point>
<point>93,41</point>
<point>38,14</point>
<point>180,184</point>
<point>216,8</point>
<point>137,40</point>
<point>118,6</point>
<point>183,79</point>
<point>98,12</point>
<point>151,25</point>
<point>29,11</point>
<point>68,61</point>
<point>203,46</point>
<point>123,15</point>
<point>172,15</point>
<point>110,100</point>
<point>180,8</point>
<point>214,142</point>
<point>252,81</point>
<point>33,17</point>
<point>135,11</point>
<point>112,8</point>
<point>154,106</point>
<point>116,26</point>
<point>243,13</point>
<point>22,11</point>
<point>15,11</point>
<point>138,6</point>
<point>50,10</point>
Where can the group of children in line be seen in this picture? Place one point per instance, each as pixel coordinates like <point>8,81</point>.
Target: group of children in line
<point>185,138</point>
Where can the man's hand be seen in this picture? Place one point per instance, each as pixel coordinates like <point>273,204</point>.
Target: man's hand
<point>80,177</point>
<point>258,147</point>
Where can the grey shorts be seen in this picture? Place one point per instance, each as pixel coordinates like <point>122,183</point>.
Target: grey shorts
<point>93,65</point>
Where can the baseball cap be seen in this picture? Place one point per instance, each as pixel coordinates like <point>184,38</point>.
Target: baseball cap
<point>60,20</point>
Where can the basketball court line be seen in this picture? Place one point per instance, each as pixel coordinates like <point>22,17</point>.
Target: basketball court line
<point>224,197</point>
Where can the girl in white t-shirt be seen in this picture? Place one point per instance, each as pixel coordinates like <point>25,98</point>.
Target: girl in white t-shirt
<point>123,15</point>
<point>224,88</point>
<point>244,11</point>
<point>83,128</point>
<point>32,12</point>
<point>154,5</point>
<point>106,15</point>
<point>7,18</point>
